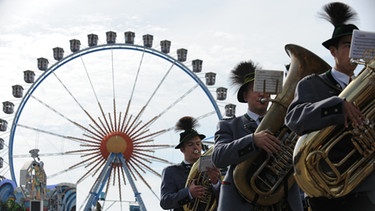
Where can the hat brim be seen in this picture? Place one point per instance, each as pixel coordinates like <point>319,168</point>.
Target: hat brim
<point>334,40</point>
<point>201,136</point>
<point>339,32</point>
<point>240,92</point>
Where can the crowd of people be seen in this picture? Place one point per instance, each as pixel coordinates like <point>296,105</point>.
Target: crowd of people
<point>316,105</point>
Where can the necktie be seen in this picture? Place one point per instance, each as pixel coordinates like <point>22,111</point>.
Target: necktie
<point>259,119</point>
<point>188,166</point>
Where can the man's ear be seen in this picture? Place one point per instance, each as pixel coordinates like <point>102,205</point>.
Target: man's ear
<point>182,149</point>
<point>244,95</point>
<point>332,50</point>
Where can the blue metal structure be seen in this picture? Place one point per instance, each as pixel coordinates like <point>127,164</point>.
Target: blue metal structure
<point>97,188</point>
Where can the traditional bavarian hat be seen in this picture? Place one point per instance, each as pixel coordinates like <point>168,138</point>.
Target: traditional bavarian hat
<point>243,74</point>
<point>338,14</point>
<point>187,124</point>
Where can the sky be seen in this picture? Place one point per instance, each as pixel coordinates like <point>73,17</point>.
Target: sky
<point>222,33</point>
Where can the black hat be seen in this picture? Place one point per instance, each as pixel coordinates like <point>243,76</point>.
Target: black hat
<point>339,32</point>
<point>243,74</point>
<point>187,124</point>
<point>338,14</point>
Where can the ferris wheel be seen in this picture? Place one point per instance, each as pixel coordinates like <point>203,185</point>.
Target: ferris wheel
<point>103,117</point>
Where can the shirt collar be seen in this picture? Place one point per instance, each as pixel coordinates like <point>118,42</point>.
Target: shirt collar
<point>340,77</point>
<point>252,115</point>
<point>187,163</point>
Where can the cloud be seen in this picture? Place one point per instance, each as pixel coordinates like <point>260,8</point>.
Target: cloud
<point>221,33</point>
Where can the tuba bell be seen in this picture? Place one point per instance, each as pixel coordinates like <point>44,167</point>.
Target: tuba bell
<point>209,202</point>
<point>261,179</point>
<point>318,171</point>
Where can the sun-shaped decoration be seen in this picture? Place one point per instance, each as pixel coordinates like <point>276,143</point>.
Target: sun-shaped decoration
<point>119,135</point>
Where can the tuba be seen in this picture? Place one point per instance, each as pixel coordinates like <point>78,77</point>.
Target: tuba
<point>319,171</point>
<point>209,202</point>
<point>262,178</point>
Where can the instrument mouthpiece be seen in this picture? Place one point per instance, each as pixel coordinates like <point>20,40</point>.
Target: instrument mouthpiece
<point>263,100</point>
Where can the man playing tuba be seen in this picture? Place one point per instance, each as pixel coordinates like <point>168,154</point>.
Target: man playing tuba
<point>316,106</point>
<point>236,141</point>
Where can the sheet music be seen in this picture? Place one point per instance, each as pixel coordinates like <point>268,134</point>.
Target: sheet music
<point>268,81</point>
<point>363,45</point>
<point>204,162</point>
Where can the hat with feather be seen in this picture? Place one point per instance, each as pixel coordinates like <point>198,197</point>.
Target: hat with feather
<point>187,124</point>
<point>242,75</point>
<point>338,14</point>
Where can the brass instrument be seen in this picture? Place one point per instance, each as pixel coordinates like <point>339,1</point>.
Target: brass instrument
<point>261,179</point>
<point>320,172</point>
<point>209,202</point>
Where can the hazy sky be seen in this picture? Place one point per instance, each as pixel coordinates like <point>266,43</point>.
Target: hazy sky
<point>220,32</point>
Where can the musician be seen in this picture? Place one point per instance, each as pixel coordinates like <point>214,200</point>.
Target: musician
<point>316,105</point>
<point>235,141</point>
<point>174,194</point>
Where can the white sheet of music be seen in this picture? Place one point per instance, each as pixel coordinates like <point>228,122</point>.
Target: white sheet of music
<point>268,81</point>
<point>204,162</point>
<point>363,45</point>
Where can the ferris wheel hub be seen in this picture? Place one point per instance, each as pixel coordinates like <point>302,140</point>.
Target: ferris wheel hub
<point>117,142</point>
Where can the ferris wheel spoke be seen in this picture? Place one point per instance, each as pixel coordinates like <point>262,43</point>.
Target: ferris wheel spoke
<point>82,151</point>
<point>64,117</point>
<point>140,175</point>
<point>149,135</point>
<point>118,110</point>
<point>154,146</point>
<point>43,155</point>
<point>90,161</point>
<point>137,75</point>
<point>178,100</point>
<point>96,96</point>
<point>82,108</point>
<point>50,176</point>
<point>206,115</point>
<point>145,126</point>
<point>5,171</point>
<point>160,83</point>
<point>142,165</point>
<point>135,121</point>
<point>152,157</point>
<point>93,170</point>
<point>48,132</point>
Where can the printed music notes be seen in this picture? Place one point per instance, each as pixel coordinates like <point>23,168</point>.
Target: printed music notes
<point>362,46</point>
<point>268,81</point>
<point>204,162</point>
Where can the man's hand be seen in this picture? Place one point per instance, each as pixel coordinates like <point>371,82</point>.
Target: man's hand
<point>196,191</point>
<point>266,141</point>
<point>213,174</point>
<point>353,114</point>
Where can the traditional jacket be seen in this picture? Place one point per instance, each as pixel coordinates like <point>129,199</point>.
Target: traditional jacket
<point>316,105</point>
<point>234,144</point>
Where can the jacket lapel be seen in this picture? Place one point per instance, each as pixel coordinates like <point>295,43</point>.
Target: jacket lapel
<point>249,124</point>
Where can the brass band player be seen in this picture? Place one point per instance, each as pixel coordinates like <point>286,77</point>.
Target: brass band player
<point>174,194</point>
<point>235,141</point>
<point>316,106</point>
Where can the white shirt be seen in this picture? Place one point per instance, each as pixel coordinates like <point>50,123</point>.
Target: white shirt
<point>254,116</point>
<point>340,77</point>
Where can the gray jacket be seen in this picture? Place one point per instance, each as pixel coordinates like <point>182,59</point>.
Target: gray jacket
<point>234,144</point>
<point>316,105</point>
